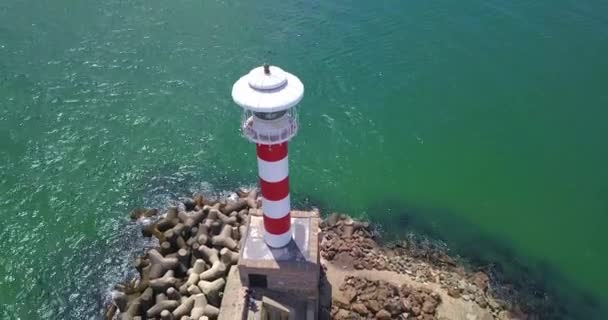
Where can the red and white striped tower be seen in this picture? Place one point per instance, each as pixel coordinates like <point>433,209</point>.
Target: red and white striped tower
<point>268,96</point>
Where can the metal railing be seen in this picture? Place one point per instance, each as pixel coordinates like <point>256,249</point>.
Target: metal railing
<point>266,135</point>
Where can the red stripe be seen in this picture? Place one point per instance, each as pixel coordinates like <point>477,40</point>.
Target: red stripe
<point>277,226</point>
<point>271,153</point>
<point>275,191</point>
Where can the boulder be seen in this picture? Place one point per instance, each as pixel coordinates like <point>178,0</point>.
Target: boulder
<point>429,306</point>
<point>383,315</point>
<point>373,305</point>
<point>453,292</point>
<point>481,280</point>
<point>360,308</point>
<point>343,315</point>
<point>349,294</point>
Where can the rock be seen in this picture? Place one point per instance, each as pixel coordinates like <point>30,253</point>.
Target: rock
<point>406,304</point>
<point>486,316</point>
<point>453,292</point>
<point>471,289</point>
<point>383,291</point>
<point>462,285</point>
<point>373,305</point>
<point>493,304</point>
<point>504,315</point>
<point>342,315</point>
<point>405,291</point>
<point>360,308</point>
<point>383,315</point>
<point>334,311</point>
<point>416,310</point>
<point>429,306</point>
<point>341,301</point>
<point>394,307</point>
<point>481,280</point>
<point>436,296</point>
<point>366,265</point>
<point>349,294</point>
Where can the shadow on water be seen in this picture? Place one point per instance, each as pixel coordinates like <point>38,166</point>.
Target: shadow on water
<point>534,282</point>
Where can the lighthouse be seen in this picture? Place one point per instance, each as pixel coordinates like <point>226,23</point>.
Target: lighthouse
<point>279,251</point>
<point>268,96</point>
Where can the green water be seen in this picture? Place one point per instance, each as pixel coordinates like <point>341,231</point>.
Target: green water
<point>482,123</point>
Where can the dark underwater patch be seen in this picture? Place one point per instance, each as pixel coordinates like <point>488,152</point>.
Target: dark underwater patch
<point>533,283</point>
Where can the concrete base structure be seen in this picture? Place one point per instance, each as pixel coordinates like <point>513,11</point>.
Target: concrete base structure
<point>237,303</point>
<point>288,275</point>
<point>234,302</point>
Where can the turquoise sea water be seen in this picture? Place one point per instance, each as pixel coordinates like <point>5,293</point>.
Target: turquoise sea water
<point>481,123</point>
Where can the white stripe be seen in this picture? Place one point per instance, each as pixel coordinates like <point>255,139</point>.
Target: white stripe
<point>276,209</point>
<point>273,171</point>
<point>277,241</point>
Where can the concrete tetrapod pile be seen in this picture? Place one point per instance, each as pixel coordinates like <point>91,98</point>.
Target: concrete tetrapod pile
<point>184,277</point>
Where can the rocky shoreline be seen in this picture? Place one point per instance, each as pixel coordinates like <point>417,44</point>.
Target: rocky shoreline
<point>184,275</point>
<point>352,245</point>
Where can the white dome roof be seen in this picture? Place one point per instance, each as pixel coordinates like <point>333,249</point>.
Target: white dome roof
<point>259,91</point>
